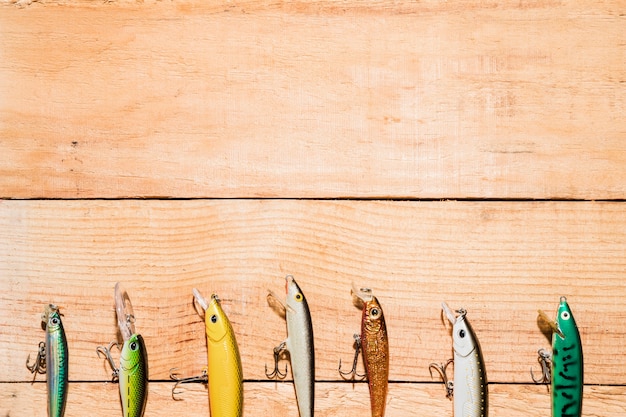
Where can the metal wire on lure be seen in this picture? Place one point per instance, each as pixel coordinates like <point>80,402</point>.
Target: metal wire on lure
<point>53,360</point>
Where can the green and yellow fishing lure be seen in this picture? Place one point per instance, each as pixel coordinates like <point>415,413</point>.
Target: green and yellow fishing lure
<point>132,373</point>
<point>563,367</point>
<point>133,376</point>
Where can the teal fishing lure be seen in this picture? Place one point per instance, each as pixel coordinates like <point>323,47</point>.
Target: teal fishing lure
<point>563,367</point>
<point>53,360</point>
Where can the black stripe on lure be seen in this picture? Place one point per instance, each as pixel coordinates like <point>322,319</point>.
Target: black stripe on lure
<point>563,367</point>
<point>470,388</point>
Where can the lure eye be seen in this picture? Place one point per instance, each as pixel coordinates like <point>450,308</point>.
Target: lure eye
<point>462,333</point>
<point>565,315</point>
<point>374,313</point>
<point>133,346</point>
<point>298,297</point>
<point>54,321</point>
<point>213,318</point>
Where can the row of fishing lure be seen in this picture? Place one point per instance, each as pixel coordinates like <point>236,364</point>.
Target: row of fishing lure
<point>563,365</point>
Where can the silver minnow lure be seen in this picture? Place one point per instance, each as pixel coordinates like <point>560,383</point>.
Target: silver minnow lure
<point>299,344</point>
<point>470,388</point>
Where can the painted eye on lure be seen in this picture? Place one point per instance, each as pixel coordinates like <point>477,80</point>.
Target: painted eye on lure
<point>54,321</point>
<point>565,315</point>
<point>375,313</point>
<point>461,333</point>
<point>213,318</point>
<point>298,297</point>
<point>133,346</point>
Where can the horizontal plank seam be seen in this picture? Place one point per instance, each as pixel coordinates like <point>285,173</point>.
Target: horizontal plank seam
<point>391,199</point>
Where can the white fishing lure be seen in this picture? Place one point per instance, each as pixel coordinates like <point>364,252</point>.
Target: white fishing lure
<point>470,388</point>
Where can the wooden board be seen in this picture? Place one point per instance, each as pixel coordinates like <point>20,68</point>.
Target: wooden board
<point>333,399</point>
<point>290,106</point>
<point>502,261</point>
<point>323,99</point>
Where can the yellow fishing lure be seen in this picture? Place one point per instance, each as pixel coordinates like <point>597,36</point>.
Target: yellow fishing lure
<point>225,377</point>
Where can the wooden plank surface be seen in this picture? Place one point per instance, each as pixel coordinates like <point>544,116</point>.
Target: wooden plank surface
<point>502,261</point>
<point>100,101</point>
<point>333,399</point>
<point>323,99</point>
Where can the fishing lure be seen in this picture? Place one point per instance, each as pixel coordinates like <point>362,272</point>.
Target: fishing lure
<point>374,345</point>
<point>53,359</point>
<point>564,366</point>
<point>132,373</point>
<point>470,388</point>
<point>223,374</point>
<point>299,344</point>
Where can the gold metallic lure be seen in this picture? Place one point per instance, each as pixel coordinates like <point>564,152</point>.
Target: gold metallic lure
<point>375,347</point>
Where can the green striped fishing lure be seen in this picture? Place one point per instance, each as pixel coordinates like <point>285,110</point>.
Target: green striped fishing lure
<point>53,359</point>
<point>132,373</point>
<point>563,367</point>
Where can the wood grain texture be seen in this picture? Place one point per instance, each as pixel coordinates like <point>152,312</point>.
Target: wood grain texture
<point>332,399</point>
<point>100,101</point>
<point>502,261</point>
<point>321,99</point>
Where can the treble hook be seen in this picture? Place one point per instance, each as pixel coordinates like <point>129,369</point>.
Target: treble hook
<point>276,373</point>
<point>352,372</point>
<point>39,366</point>
<point>545,360</point>
<point>441,369</point>
<point>204,378</point>
<point>106,351</point>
